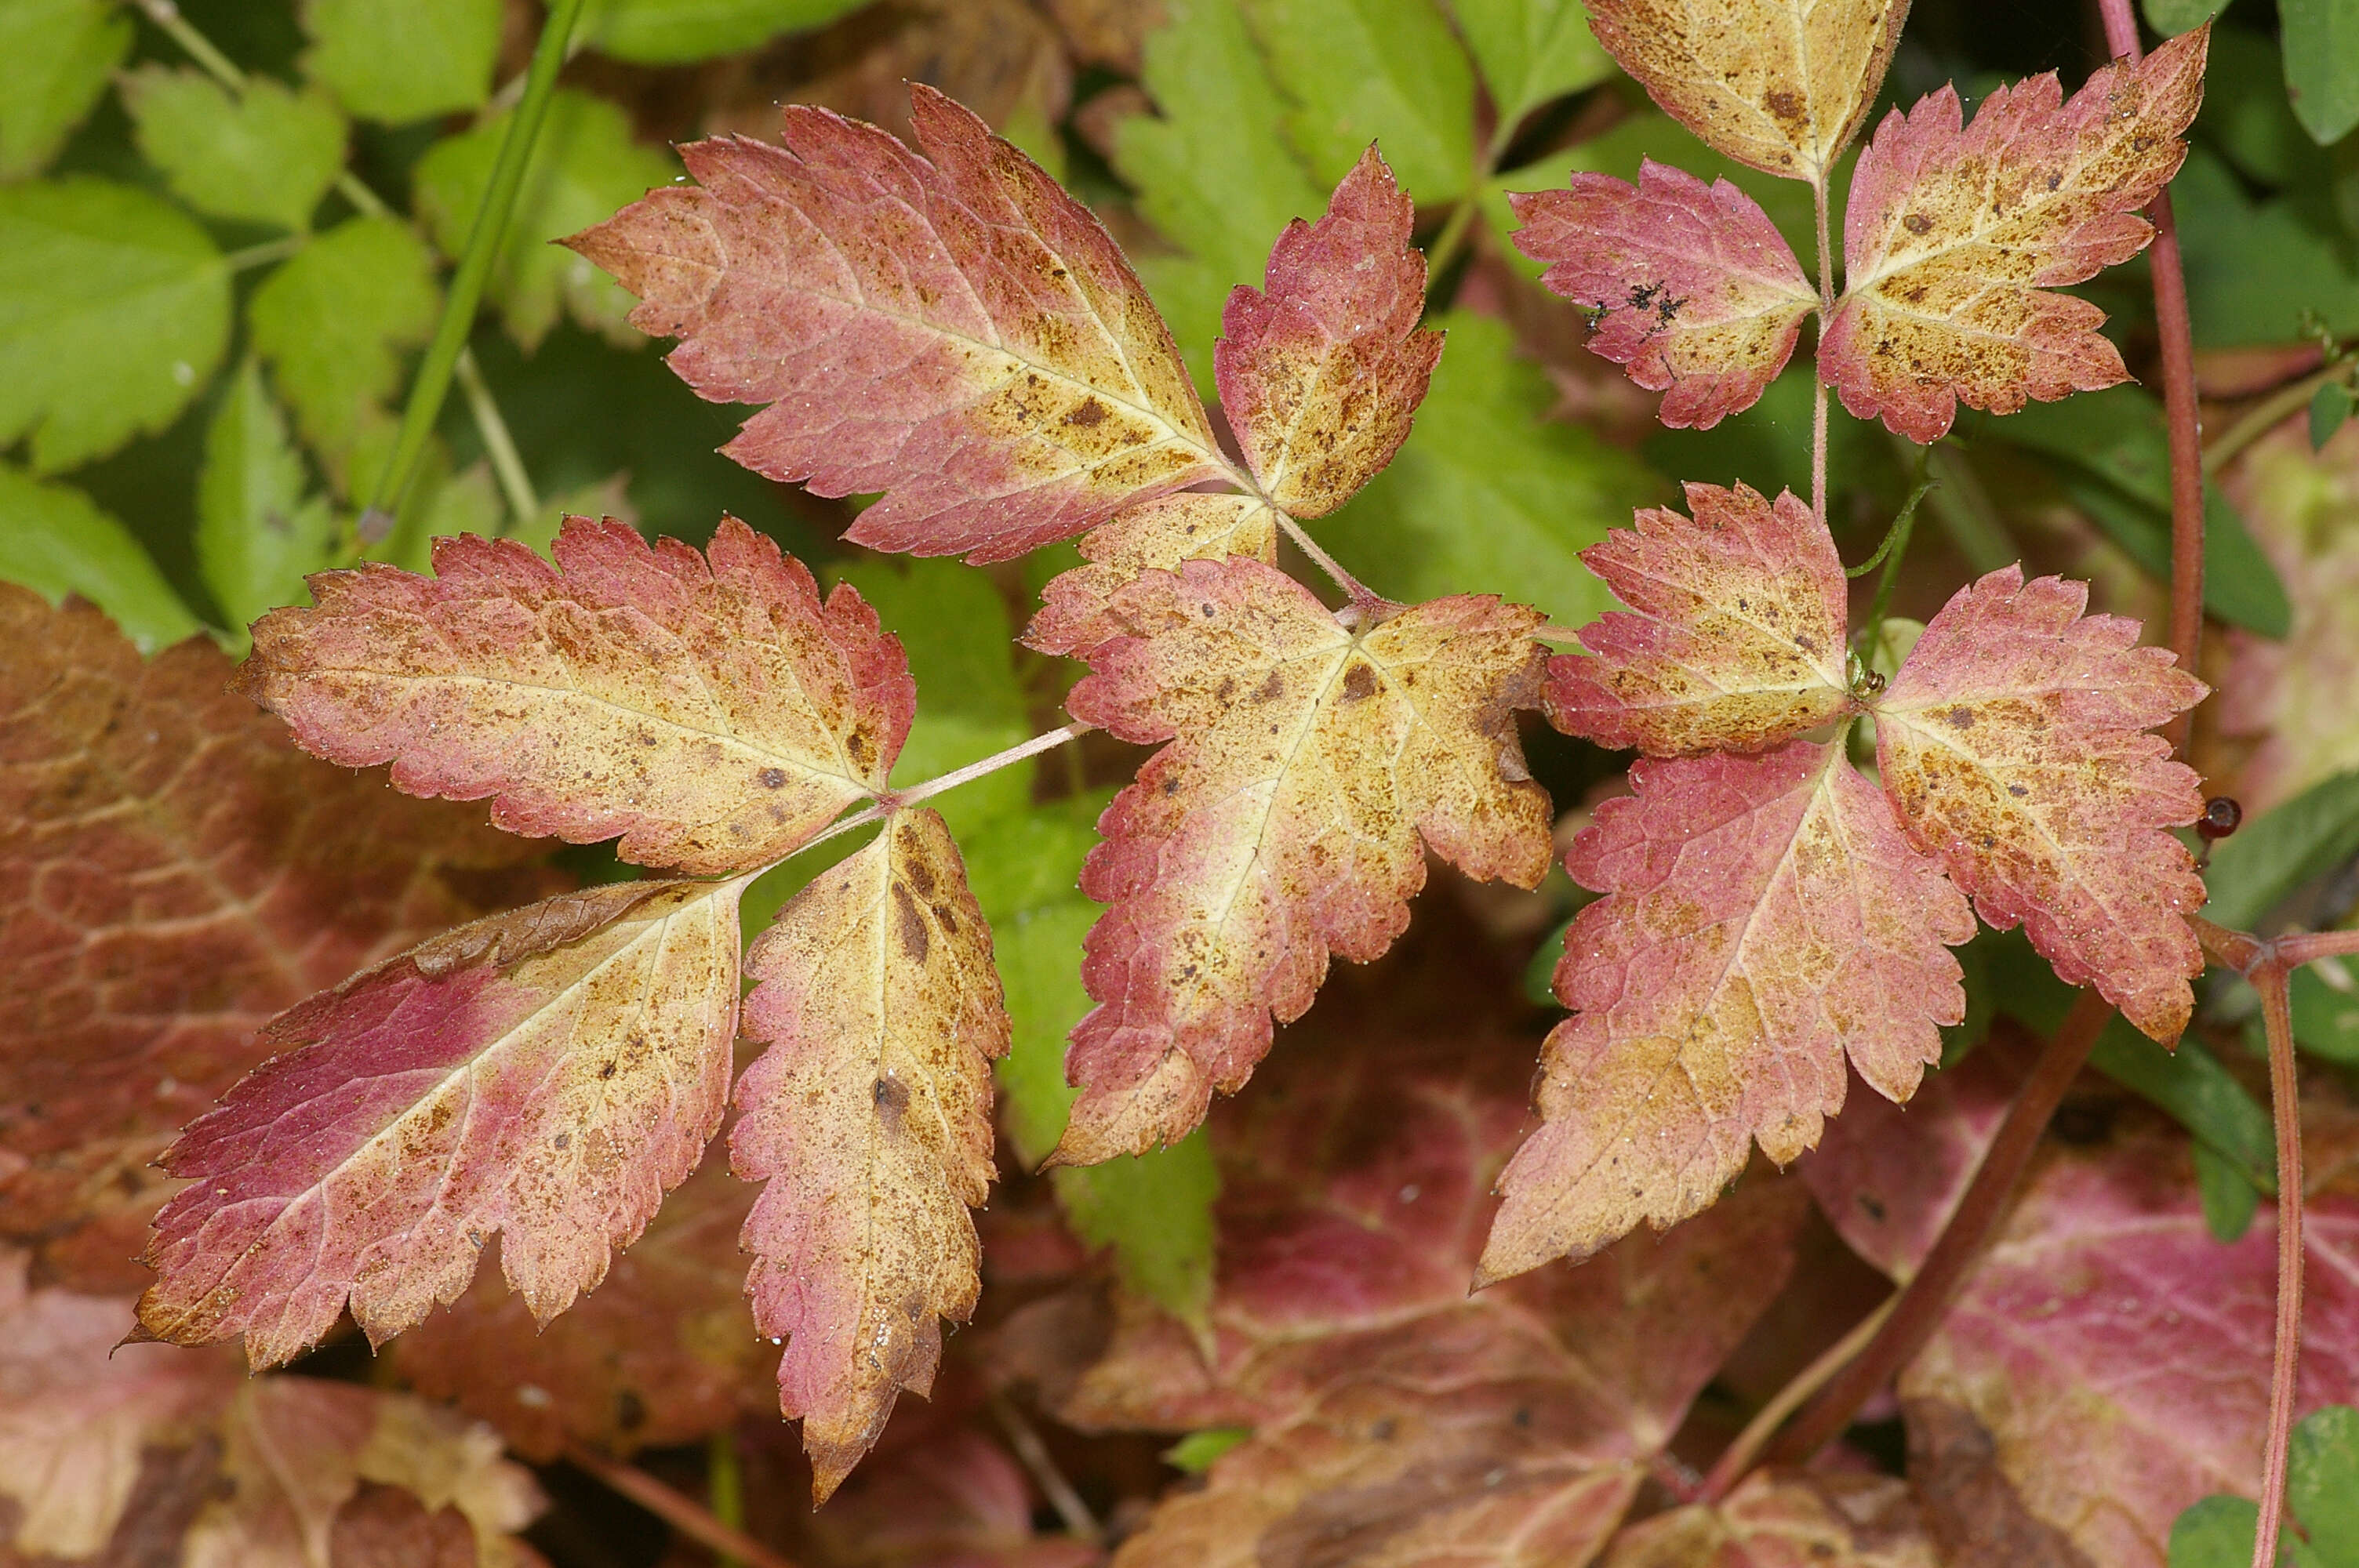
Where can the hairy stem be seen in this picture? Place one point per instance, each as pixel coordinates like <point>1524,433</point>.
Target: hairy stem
<point>2299,948</point>
<point>2276,1018</point>
<point>1025,1439</point>
<point>1923,1301</point>
<point>1364,599</point>
<point>434,372</point>
<point>683,1512</point>
<point>2177,344</point>
<point>2272,411</point>
<point>1731,1464</point>
<point>1818,383</point>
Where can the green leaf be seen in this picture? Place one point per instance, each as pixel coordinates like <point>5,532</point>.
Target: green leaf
<point>2253,268</point>
<point>1356,71</point>
<point>2229,1200</point>
<point>1196,1452</point>
<point>259,535</point>
<point>1213,169</point>
<point>961,643</point>
<point>2273,853</point>
<point>114,311</point>
<point>268,155</point>
<point>2245,115</point>
<point>55,58</point>
<point>2172,17</point>
<point>2329,407</point>
<point>2216,1532</point>
<point>2326,1015</point>
<point>56,541</point>
<point>1156,1210</point>
<point>1531,51</point>
<point>1959,1040</point>
<point>333,323</point>
<point>1487,496</point>
<point>2118,435</point>
<point>2322,1485</point>
<point>675,32</point>
<point>2188,1083</point>
<point>399,61</point>
<point>2322,64</point>
<point>583,167</point>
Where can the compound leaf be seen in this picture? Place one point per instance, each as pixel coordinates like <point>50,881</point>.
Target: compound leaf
<point>56,541</point>
<point>1776,1518</point>
<point>1764,920</point>
<point>1734,635</point>
<point>172,872</point>
<point>547,1075</point>
<point>868,1119</point>
<point>269,154</point>
<point>333,321</point>
<point>584,165</point>
<point>1953,240</point>
<point>1693,288</point>
<point>1076,610</point>
<point>1321,376</point>
<point>1283,822</point>
<point>259,535</point>
<point>399,61</point>
<point>959,334</point>
<point>712,710</point>
<point>114,309</point>
<point>1779,84</point>
<point>55,58</point>
<point>2012,742</point>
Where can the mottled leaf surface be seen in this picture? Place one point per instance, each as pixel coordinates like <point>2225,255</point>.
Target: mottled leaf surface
<point>1693,286</point>
<point>1076,611</point>
<point>869,1119</point>
<point>2013,742</point>
<point>1778,84</point>
<point>1734,639</point>
<point>1396,1420</point>
<point>1763,920</point>
<point>1320,370</point>
<point>172,872</point>
<point>545,1076</point>
<point>1953,240</point>
<point>1310,769</point>
<point>1784,1520</point>
<point>951,329</point>
<point>710,708</point>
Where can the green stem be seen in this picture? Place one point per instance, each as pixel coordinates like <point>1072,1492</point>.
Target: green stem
<point>498,445</point>
<point>725,1485</point>
<point>1963,508</point>
<point>434,373</point>
<point>266,253</point>
<point>199,48</point>
<point>2274,410</point>
<point>1447,244</point>
<point>1894,546</point>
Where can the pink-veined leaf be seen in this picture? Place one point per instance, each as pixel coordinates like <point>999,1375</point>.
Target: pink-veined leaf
<point>1396,1420</point>
<point>2108,1362</point>
<point>1311,767</point>
<point>868,1119</point>
<point>1763,920</point>
<point>708,707</point>
<point>1321,376</point>
<point>1734,638</point>
<point>951,329</point>
<point>1954,240</point>
<point>1694,288</point>
<point>1076,610</point>
<point>545,1076</point>
<point>172,872</point>
<point>1787,1520</point>
<point>2013,744</point>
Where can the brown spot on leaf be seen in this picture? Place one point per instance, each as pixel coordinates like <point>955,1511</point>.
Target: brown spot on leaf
<point>912,924</point>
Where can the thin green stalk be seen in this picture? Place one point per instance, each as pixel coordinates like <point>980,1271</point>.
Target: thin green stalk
<point>724,1488</point>
<point>498,445</point>
<point>1449,243</point>
<point>434,373</point>
<point>1963,508</point>
<point>2271,412</point>
<point>199,48</point>
<point>1895,547</point>
<point>266,253</point>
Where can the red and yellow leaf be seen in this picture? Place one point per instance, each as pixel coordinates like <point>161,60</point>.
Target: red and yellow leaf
<point>1311,767</point>
<point>545,1076</point>
<point>869,1119</point>
<point>1693,288</point>
<point>953,330</point>
<point>1779,84</point>
<point>710,710</point>
<point>1734,638</point>
<point>1953,240</point>
<point>1763,921</point>
<point>1776,1519</point>
<point>1076,610</point>
<point>1321,376</point>
<point>173,872</point>
<point>2013,744</point>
